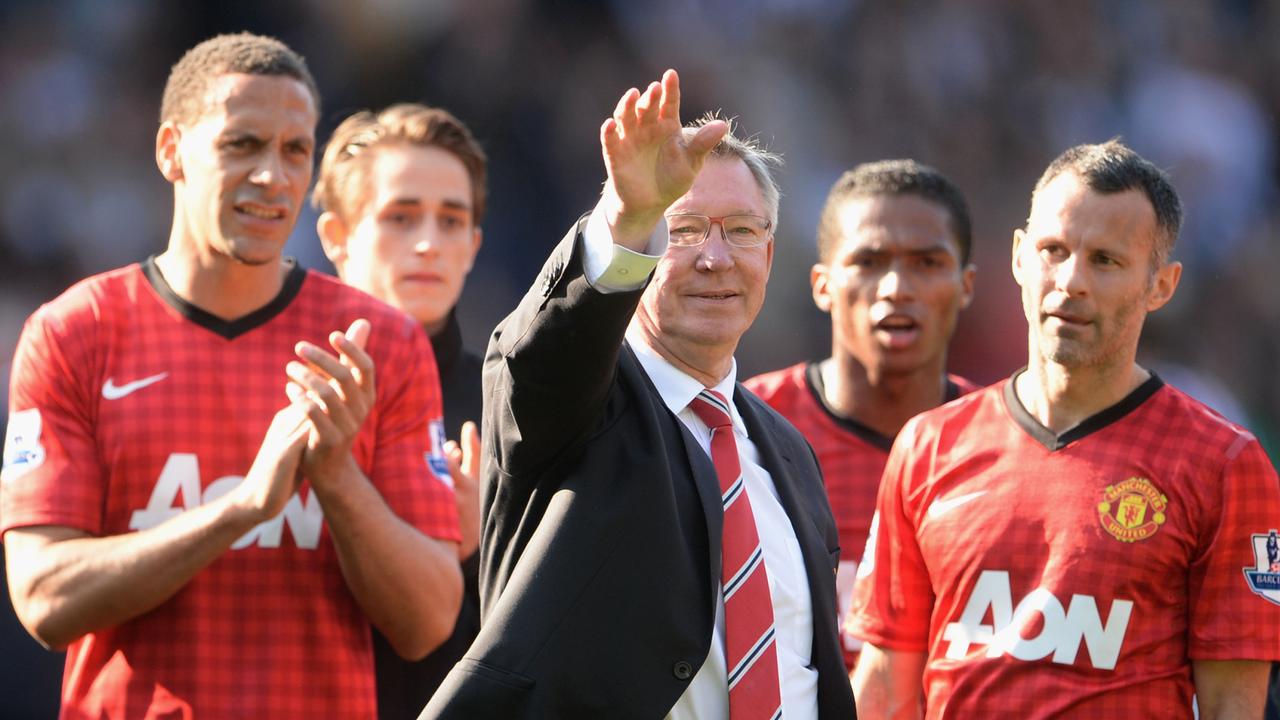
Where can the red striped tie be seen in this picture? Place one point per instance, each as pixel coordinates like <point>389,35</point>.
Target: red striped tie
<point>751,653</point>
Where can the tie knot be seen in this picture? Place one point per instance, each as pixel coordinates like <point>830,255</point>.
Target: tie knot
<point>711,407</point>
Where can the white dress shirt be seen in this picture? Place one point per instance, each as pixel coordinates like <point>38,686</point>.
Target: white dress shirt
<point>612,268</point>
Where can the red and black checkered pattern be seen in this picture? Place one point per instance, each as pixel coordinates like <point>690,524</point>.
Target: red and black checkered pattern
<point>267,630</point>
<point>852,461</point>
<point>984,525</point>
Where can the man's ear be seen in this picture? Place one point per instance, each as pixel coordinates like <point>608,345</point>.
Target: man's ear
<point>168,159</point>
<point>968,279</point>
<point>333,232</point>
<point>819,282</point>
<point>1164,285</point>
<point>1014,261</point>
<point>477,239</point>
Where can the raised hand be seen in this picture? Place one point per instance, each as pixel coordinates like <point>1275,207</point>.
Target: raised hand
<point>464,468</point>
<point>651,162</point>
<point>336,393</point>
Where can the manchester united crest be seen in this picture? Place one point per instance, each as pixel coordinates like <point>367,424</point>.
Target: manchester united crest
<point>1132,510</point>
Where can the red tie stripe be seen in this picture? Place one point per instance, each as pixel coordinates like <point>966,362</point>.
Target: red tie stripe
<point>751,652</point>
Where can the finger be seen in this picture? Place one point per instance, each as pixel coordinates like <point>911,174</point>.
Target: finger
<point>353,356</point>
<point>625,112</point>
<point>669,105</point>
<point>359,332</point>
<point>647,105</point>
<point>335,371</point>
<point>323,430</point>
<point>321,392</point>
<point>471,449</point>
<point>706,138</point>
<point>453,458</point>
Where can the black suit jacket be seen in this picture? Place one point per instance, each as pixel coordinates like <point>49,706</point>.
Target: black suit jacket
<point>600,559</point>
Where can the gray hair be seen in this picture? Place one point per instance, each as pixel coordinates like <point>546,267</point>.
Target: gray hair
<point>761,162</point>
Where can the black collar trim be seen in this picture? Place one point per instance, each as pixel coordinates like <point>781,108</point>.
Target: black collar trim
<point>447,343</point>
<point>1088,426</point>
<point>813,381</point>
<point>229,329</point>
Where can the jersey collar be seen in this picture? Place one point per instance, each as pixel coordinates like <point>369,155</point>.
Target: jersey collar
<point>1056,441</point>
<point>229,329</point>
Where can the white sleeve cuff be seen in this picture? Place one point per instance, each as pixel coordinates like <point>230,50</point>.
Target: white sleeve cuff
<point>612,268</point>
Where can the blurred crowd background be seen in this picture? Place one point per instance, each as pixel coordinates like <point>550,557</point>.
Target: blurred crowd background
<point>988,91</point>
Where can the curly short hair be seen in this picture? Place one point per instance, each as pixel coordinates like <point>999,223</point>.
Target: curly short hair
<point>1112,167</point>
<point>345,164</point>
<point>190,77</point>
<point>894,177</point>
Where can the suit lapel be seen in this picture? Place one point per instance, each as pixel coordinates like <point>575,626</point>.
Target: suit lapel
<point>701,468</point>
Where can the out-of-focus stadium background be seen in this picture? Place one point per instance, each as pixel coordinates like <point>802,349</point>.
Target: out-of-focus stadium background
<point>988,91</point>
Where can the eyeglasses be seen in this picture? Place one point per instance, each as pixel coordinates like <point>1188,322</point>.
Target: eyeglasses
<point>743,231</point>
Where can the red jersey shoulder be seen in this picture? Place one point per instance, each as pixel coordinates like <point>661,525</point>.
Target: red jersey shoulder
<point>963,384</point>
<point>780,388</point>
<point>346,304</point>
<point>90,300</point>
<point>1184,416</point>
<point>964,414</point>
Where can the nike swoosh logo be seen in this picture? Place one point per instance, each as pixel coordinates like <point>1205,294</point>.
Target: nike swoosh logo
<point>941,507</point>
<point>111,391</point>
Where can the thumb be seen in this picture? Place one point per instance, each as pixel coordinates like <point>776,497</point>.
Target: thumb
<point>706,138</point>
<point>470,449</point>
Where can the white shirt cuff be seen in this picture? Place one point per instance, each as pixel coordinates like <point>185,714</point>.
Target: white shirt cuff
<point>612,268</point>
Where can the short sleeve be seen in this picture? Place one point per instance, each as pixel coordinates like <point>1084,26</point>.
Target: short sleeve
<point>52,474</point>
<point>408,464</point>
<point>1234,584</point>
<point>892,595</point>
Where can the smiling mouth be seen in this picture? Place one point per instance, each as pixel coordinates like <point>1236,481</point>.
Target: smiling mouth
<point>716,295</point>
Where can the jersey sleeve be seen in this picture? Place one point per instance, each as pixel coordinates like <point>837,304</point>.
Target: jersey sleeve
<point>892,595</point>
<point>52,475</point>
<point>408,465</point>
<point>1234,587</point>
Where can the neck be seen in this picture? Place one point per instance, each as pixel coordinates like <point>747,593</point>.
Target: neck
<point>881,401</point>
<point>217,284</point>
<point>705,365</point>
<point>1061,398</point>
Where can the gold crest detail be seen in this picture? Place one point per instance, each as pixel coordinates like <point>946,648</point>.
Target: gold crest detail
<point>1132,510</point>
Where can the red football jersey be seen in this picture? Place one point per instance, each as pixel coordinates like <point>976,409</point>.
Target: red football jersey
<point>852,458</point>
<point>130,406</point>
<point>1076,574</point>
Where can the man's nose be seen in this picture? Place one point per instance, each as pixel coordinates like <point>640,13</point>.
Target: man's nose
<point>715,253</point>
<point>895,284</point>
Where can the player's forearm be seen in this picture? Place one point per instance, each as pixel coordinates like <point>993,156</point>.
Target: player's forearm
<point>888,684</point>
<point>66,583</point>
<point>1231,689</point>
<point>409,585</point>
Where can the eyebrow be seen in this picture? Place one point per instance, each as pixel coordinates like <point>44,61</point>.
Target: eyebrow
<point>450,204</point>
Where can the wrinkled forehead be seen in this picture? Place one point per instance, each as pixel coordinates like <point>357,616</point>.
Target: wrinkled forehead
<point>1067,208</point>
<point>724,186</point>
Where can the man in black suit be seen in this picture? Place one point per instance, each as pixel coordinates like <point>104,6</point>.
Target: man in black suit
<point>604,521</point>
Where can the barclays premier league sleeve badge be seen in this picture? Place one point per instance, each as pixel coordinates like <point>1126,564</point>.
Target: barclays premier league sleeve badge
<point>1264,579</point>
<point>22,449</point>
<point>435,456</point>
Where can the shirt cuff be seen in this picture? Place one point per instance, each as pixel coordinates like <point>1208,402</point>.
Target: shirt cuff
<point>612,268</point>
